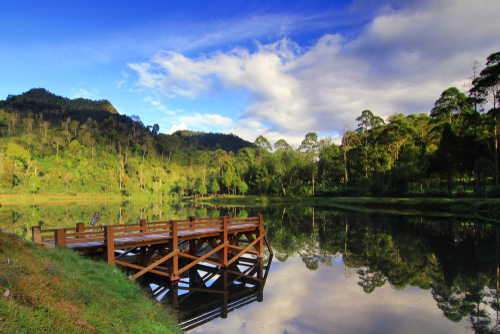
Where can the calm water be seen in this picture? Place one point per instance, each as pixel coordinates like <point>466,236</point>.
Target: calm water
<point>333,271</point>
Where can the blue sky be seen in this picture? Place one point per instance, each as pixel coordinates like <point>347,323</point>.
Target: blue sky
<point>280,68</point>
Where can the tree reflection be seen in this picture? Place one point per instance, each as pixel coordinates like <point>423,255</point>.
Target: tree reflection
<point>456,258</point>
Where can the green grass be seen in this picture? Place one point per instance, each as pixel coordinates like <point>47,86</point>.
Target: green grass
<point>60,291</point>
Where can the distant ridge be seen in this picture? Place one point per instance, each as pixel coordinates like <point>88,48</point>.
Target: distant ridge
<point>40,100</point>
<point>214,141</point>
<point>53,108</point>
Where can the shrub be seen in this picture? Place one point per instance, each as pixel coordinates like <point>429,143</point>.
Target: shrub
<point>363,185</point>
<point>397,185</point>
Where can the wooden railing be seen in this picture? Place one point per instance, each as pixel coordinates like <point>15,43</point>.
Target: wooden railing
<point>112,233</point>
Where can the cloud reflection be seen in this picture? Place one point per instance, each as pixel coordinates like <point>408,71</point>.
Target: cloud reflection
<point>328,300</point>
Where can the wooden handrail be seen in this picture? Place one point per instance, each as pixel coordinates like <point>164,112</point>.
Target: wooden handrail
<point>121,236</point>
<point>243,219</point>
<point>83,240</point>
<point>205,227</point>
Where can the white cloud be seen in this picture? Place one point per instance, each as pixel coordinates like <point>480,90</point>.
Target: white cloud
<point>400,63</point>
<point>329,300</point>
<point>83,94</point>
<point>207,120</point>
<point>175,128</point>
<point>121,83</point>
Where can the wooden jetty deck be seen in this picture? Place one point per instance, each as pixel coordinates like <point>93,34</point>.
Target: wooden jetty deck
<point>166,248</point>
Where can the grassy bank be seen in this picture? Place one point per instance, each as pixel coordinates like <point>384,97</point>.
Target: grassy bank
<point>434,204</point>
<point>61,291</point>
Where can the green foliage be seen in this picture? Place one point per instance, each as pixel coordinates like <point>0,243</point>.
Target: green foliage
<point>202,190</point>
<point>17,153</point>
<point>7,178</point>
<point>363,185</point>
<point>74,146</point>
<point>215,186</point>
<point>398,183</point>
<point>242,187</point>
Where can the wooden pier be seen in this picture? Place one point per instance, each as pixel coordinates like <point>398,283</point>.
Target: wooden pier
<point>167,248</point>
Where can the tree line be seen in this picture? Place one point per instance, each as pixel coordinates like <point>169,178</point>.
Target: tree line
<point>53,144</point>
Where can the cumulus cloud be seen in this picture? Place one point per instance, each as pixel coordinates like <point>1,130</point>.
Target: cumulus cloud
<point>175,128</point>
<point>400,63</point>
<point>207,119</point>
<point>332,301</point>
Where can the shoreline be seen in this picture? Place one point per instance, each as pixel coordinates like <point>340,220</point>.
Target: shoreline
<point>453,205</point>
<point>55,198</point>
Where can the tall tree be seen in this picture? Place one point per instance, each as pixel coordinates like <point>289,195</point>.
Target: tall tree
<point>310,146</point>
<point>367,122</point>
<point>487,86</point>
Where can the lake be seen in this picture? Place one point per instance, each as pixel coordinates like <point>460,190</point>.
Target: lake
<point>333,270</point>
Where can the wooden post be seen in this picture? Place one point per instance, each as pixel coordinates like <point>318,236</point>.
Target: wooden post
<point>175,294</point>
<point>175,248</point>
<point>223,237</point>
<point>143,224</point>
<point>80,227</point>
<point>260,274</point>
<point>261,232</point>
<point>60,237</point>
<point>36,232</point>
<point>230,215</point>
<point>225,297</point>
<point>110,243</point>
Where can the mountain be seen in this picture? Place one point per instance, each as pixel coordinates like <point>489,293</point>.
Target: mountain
<point>40,100</point>
<point>40,103</point>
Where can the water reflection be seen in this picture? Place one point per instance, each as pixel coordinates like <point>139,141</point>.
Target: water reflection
<point>457,259</point>
<point>355,271</point>
<point>206,293</point>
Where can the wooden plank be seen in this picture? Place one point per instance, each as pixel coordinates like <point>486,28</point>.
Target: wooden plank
<point>203,290</point>
<point>125,264</point>
<point>201,228</point>
<point>84,234</point>
<point>200,259</point>
<point>153,265</point>
<point>244,275</point>
<point>153,229</point>
<point>244,250</point>
<point>241,248</point>
<point>268,245</point>
<point>188,256</point>
<point>81,240</point>
<point>125,253</point>
<point>256,219</point>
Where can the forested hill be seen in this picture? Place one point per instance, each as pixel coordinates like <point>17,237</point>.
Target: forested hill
<point>40,103</point>
<point>39,100</point>
<point>215,141</point>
